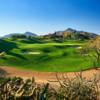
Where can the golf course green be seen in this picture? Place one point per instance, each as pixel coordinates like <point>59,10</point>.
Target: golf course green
<point>44,56</point>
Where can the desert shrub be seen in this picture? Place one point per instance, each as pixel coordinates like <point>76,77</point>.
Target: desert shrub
<point>18,89</point>
<point>79,88</point>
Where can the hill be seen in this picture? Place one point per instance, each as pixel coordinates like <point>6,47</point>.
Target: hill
<point>27,34</point>
<point>72,34</point>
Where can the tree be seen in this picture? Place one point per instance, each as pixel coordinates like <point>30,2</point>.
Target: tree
<point>94,46</point>
<point>18,36</point>
<point>93,50</point>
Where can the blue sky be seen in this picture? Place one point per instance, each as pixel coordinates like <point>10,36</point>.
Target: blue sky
<point>45,16</point>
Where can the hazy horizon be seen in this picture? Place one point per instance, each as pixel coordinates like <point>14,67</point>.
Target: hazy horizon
<point>47,16</point>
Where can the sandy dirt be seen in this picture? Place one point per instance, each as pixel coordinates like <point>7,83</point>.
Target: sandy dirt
<point>42,77</point>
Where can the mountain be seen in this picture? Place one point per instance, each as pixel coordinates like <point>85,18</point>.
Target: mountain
<point>30,34</point>
<point>66,34</point>
<point>27,34</point>
<point>10,35</point>
<point>73,34</point>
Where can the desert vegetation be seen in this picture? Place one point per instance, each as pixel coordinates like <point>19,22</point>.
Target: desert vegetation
<point>92,49</point>
<point>77,88</point>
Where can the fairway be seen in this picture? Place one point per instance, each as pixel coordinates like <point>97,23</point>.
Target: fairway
<point>49,57</point>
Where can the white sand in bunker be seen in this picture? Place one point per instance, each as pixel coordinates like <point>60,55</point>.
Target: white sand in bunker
<point>43,77</point>
<point>32,53</point>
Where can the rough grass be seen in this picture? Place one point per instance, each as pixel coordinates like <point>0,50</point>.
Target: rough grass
<point>55,57</point>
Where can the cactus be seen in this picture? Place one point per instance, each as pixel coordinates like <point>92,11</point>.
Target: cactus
<point>77,88</point>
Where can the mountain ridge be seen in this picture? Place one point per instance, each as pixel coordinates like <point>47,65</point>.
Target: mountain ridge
<point>69,33</point>
<point>27,34</point>
<point>73,34</point>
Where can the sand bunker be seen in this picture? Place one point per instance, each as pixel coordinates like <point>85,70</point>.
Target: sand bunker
<point>32,53</point>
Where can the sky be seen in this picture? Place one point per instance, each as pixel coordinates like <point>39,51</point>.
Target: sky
<point>47,16</point>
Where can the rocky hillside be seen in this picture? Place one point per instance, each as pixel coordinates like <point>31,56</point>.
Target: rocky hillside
<point>72,34</point>
<point>66,34</point>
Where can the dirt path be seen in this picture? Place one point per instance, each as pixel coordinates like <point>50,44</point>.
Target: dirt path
<point>42,77</point>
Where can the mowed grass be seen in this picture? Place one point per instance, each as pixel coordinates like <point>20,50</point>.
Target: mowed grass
<point>51,57</point>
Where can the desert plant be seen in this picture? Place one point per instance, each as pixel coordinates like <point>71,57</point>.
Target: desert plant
<point>79,88</point>
<point>93,51</point>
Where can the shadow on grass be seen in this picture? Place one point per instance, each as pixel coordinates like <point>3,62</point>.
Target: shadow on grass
<point>17,55</point>
<point>47,50</point>
<point>66,46</point>
<point>31,41</point>
<point>43,58</point>
<point>6,46</point>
